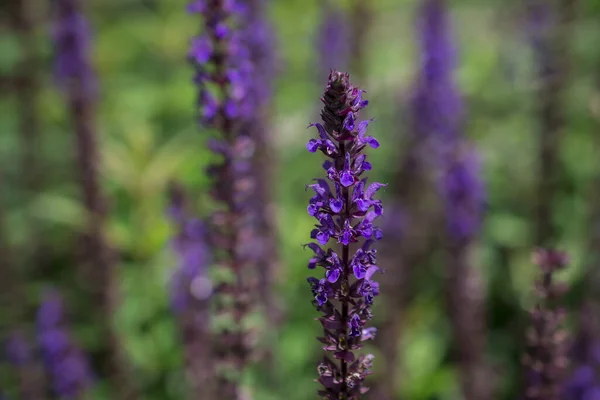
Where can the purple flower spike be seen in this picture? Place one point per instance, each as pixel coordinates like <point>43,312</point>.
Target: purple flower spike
<point>63,359</point>
<point>346,293</point>
<point>232,99</point>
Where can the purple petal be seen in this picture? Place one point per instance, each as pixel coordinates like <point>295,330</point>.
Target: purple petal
<point>321,130</point>
<point>349,121</point>
<point>313,145</point>
<point>359,271</point>
<point>346,178</point>
<point>200,49</point>
<point>322,238</point>
<point>373,188</point>
<point>336,205</point>
<point>371,271</point>
<point>333,275</point>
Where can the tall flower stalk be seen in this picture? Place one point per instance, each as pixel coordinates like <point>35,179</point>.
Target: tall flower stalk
<point>546,357</point>
<point>191,290</point>
<point>65,363</point>
<point>463,194</point>
<point>76,78</point>
<point>345,210</point>
<point>223,70</point>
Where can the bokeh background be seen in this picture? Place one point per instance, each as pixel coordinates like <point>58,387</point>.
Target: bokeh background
<point>149,136</point>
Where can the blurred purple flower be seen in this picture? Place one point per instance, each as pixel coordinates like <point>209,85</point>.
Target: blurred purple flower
<point>230,99</point>
<point>190,282</point>
<point>72,47</point>
<point>260,39</point>
<point>333,40</point>
<point>345,214</point>
<point>464,195</point>
<point>437,108</point>
<point>18,351</point>
<point>66,364</point>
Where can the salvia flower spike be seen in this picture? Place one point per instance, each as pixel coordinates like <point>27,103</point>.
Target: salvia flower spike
<point>221,58</point>
<point>345,208</point>
<point>65,362</point>
<point>546,357</point>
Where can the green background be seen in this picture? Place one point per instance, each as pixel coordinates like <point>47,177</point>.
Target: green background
<point>148,136</point>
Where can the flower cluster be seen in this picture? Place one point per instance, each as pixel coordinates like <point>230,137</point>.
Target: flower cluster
<point>71,39</point>
<point>222,63</point>
<point>345,209</point>
<point>64,361</point>
<point>546,358</point>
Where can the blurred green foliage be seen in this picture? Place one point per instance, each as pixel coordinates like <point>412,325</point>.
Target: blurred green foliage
<point>149,136</point>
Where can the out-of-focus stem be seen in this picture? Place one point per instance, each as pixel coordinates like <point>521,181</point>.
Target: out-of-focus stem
<point>100,258</point>
<point>28,110</point>
<point>465,296</point>
<point>553,71</point>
